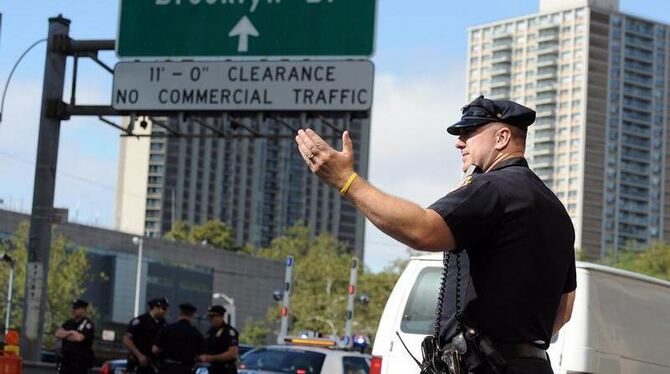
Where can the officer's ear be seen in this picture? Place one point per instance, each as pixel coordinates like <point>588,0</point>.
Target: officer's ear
<point>503,138</point>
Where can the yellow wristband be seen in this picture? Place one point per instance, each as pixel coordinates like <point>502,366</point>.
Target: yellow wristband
<point>348,183</point>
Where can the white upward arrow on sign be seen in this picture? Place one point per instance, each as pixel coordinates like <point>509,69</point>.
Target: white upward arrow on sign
<point>243,29</point>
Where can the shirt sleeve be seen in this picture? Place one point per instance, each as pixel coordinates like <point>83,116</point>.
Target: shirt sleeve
<point>133,326</point>
<point>472,211</point>
<point>234,338</point>
<point>88,331</point>
<point>571,279</point>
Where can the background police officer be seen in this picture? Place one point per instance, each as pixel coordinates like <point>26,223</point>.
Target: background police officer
<point>142,332</point>
<point>77,335</point>
<point>179,344</point>
<point>517,234</point>
<point>221,343</point>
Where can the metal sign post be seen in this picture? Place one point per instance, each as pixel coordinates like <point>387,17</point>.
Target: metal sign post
<point>39,240</point>
<point>288,279</point>
<point>348,337</point>
<point>206,28</point>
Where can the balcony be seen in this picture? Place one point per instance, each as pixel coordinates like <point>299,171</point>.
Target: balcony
<point>643,30</point>
<point>545,47</point>
<point>548,26</point>
<point>546,113</point>
<point>500,81</point>
<point>634,207</point>
<point>639,67</point>
<point>638,79</point>
<point>545,37</point>
<point>551,74</point>
<point>545,99</point>
<point>635,116</point>
<point>501,57</point>
<point>501,46</point>
<point>547,60</point>
<point>546,86</point>
<point>637,105</point>
<point>542,140</point>
<point>501,93</point>
<point>502,70</point>
<point>544,150</point>
<point>642,93</point>
<point>644,56</point>
<point>634,220</point>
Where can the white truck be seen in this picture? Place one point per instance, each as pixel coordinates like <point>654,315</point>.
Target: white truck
<point>620,322</point>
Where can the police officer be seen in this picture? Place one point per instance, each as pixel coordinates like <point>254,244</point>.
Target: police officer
<point>77,335</point>
<point>179,344</point>
<point>142,332</point>
<point>516,232</point>
<point>221,343</point>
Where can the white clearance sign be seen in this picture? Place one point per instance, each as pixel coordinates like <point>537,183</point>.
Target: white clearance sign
<point>243,85</point>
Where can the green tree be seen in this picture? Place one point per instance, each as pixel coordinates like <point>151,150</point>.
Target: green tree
<point>213,232</point>
<point>654,261</point>
<point>68,273</point>
<point>181,230</point>
<point>216,233</point>
<point>378,287</point>
<point>320,287</point>
<point>255,332</point>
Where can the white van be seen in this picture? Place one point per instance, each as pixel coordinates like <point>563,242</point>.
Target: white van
<point>620,322</point>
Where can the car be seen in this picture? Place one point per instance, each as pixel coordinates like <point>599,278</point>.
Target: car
<point>114,367</point>
<point>303,359</point>
<point>619,322</point>
<point>119,366</point>
<point>244,348</point>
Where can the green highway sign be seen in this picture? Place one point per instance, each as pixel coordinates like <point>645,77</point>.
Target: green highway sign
<point>237,28</point>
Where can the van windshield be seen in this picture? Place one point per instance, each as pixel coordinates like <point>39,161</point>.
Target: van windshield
<point>419,314</point>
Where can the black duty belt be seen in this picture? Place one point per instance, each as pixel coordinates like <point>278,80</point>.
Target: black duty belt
<point>520,350</point>
<point>175,362</point>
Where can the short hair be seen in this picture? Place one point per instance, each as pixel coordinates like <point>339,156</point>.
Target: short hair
<point>518,133</point>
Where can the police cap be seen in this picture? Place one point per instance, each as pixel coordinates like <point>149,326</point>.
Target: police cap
<point>161,302</point>
<point>187,308</point>
<point>79,303</point>
<point>482,111</point>
<point>216,310</point>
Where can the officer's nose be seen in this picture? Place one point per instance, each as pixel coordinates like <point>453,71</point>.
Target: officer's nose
<point>460,143</point>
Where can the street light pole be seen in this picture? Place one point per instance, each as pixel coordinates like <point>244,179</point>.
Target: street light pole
<point>9,297</point>
<point>231,306</point>
<point>138,277</point>
<point>10,287</point>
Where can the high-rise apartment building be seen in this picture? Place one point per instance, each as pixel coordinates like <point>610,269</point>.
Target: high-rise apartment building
<point>598,79</point>
<point>258,186</point>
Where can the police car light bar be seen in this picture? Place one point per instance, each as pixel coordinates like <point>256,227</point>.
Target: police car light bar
<point>312,342</point>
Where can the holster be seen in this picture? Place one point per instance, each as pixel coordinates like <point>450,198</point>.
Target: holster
<point>469,351</point>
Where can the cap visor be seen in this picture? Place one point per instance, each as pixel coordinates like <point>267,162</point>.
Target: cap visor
<point>465,123</point>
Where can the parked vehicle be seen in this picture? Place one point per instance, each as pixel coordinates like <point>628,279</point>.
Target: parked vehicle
<point>303,359</point>
<point>620,322</point>
<point>114,367</point>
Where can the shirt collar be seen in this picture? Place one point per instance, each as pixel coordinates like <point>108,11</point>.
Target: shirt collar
<point>516,161</point>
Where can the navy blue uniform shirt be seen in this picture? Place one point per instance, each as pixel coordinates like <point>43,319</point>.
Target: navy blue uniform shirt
<point>180,342</point>
<point>520,243</point>
<point>85,327</point>
<point>144,330</point>
<point>219,340</point>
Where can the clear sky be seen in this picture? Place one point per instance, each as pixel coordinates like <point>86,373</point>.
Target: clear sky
<point>420,65</point>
